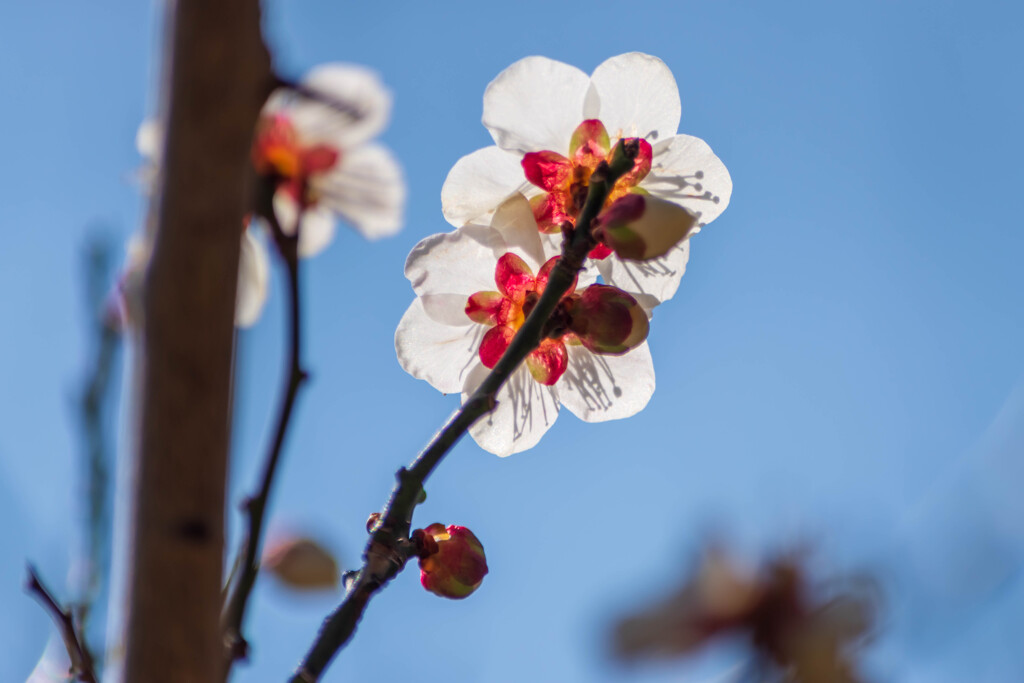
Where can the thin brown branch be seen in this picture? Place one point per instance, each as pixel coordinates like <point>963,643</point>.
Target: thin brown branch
<point>387,550</point>
<point>346,109</point>
<point>81,660</point>
<point>216,78</point>
<point>233,617</point>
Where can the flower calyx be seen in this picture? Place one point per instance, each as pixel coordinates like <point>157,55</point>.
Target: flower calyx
<point>278,152</point>
<point>452,560</point>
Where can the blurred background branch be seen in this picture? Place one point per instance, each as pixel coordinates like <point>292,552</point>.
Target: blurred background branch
<point>70,629</point>
<point>95,403</point>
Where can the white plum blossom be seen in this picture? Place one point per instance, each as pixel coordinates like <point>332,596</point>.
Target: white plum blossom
<point>320,153</point>
<point>474,288</point>
<point>321,149</point>
<point>253,279</point>
<point>552,124</point>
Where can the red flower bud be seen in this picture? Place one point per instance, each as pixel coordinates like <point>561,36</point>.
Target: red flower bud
<point>458,567</point>
<point>608,320</point>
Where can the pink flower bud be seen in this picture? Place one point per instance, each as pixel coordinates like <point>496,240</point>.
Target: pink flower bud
<point>458,567</point>
<point>640,227</point>
<point>608,320</point>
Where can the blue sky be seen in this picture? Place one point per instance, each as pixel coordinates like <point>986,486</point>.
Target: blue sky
<point>841,366</point>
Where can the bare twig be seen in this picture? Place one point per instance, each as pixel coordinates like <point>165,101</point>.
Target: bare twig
<point>387,550</point>
<point>78,653</point>
<point>233,615</point>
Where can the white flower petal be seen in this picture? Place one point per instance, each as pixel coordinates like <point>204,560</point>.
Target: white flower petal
<point>149,142</point>
<point>447,309</point>
<point>317,231</point>
<point>459,262</point>
<point>588,276</point>
<point>515,223</point>
<point>443,355</point>
<point>317,224</point>
<point>649,281</point>
<point>137,253</point>
<point>253,276</point>
<point>596,388</point>
<point>367,188</point>
<point>526,410</point>
<point>149,138</point>
<point>53,665</point>
<point>637,96</point>
<point>535,105</point>
<point>479,182</point>
<point>552,243</point>
<point>687,172</point>
<point>359,105</point>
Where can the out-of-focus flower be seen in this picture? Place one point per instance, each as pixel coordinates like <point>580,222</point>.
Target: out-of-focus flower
<point>475,287</point>
<point>53,666</point>
<point>301,563</point>
<point>790,628</point>
<point>253,278</point>
<point>316,144</point>
<point>553,124</point>
<point>454,565</point>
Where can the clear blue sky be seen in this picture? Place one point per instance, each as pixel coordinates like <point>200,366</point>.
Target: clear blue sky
<point>838,367</point>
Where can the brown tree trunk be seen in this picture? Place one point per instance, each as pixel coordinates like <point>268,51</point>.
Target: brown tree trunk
<point>216,76</point>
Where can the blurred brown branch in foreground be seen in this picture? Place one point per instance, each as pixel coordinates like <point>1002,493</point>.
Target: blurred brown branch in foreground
<point>793,632</point>
<point>216,77</point>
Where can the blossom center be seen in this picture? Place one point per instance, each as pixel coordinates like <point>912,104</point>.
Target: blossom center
<point>566,179</point>
<point>505,311</point>
<point>604,319</point>
<point>278,150</point>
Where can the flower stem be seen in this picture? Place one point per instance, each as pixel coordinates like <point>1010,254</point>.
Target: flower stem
<point>247,563</point>
<point>388,550</point>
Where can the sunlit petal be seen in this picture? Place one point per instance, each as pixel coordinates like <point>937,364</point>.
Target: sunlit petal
<point>535,105</point>
<point>526,410</point>
<point>367,189</point>
<point>687,172</point>
<point>443,355</point>
<point>479,183</point>
<point>253,278</point>
<point>597,388</point>
<point>637,96</point>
